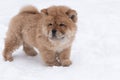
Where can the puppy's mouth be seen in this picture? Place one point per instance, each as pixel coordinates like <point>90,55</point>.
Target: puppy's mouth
<point>56,38</point>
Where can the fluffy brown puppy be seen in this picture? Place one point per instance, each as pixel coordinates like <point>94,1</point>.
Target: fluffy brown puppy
<point>51,31</point>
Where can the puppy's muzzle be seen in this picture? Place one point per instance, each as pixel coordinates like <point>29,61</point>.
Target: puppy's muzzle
<point>56,35</point>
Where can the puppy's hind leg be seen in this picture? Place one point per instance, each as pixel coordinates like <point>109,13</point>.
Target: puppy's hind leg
<point>29,50</point>
<point>11,44</point>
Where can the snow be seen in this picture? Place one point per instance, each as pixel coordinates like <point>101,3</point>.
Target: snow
<point>95,52</point>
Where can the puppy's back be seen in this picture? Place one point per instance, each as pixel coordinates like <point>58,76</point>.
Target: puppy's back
<point>26,18</point>
<point>28,14</point>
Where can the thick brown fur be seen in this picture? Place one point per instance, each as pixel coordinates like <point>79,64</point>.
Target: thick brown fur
<point>32,28</point>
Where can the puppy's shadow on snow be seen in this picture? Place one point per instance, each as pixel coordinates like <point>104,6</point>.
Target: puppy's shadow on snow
<point>20,57</point>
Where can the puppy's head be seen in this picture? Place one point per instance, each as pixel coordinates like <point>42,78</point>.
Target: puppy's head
<point>59,22</point>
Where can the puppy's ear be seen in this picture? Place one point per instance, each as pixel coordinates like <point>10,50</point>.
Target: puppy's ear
<point>44,11</point>
<point>72,14</point>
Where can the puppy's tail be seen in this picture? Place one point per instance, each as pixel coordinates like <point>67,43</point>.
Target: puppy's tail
<point>29,9</point>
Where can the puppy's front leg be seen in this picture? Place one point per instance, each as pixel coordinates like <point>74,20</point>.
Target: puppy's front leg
<point>64,57</point>
<point>49,58</point>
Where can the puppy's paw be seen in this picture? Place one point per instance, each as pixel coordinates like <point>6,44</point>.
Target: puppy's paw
<point>66,62</point>
<point>8,58</point>
<point>31,53</point>
<point>50,64</point>
<point>55,63</point>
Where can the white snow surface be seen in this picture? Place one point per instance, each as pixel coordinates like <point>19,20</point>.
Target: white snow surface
<point>96,48</point>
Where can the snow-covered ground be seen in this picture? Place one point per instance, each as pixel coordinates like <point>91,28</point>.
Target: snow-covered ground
<point>95,52</point>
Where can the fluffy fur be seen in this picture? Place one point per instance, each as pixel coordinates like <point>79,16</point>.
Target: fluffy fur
<point>51,31</point>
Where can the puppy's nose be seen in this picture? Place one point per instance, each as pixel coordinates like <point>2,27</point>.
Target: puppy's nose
<point>54,32</point>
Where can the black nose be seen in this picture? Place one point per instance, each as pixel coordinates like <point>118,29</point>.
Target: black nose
<point>54,32</point>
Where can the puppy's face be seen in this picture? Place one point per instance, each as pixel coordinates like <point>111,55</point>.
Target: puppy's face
<point>59,23</point>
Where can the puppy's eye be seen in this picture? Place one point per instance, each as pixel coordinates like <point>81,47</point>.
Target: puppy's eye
<point>62,25</point>
<point>50,24</point>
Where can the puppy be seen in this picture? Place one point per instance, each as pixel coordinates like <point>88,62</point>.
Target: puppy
<point>51,31</point>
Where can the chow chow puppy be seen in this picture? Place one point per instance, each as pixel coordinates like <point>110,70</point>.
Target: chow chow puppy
<point>51,31</point>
